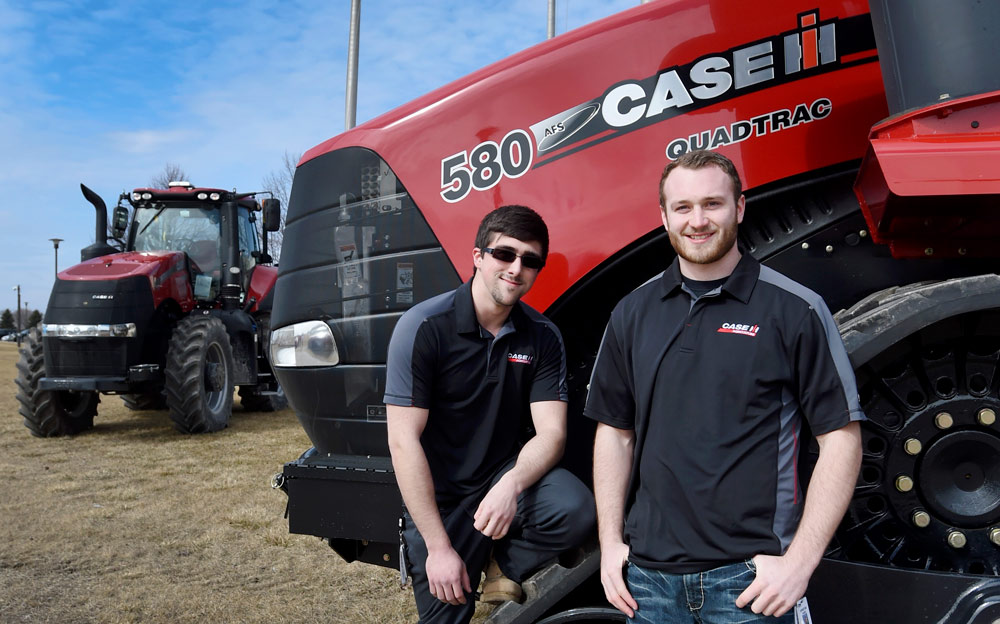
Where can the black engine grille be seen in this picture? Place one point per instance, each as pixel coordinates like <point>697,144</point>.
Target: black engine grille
<point>85,358</point>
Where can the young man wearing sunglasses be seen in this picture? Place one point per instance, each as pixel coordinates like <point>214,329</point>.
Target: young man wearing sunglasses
<point>468,372</point>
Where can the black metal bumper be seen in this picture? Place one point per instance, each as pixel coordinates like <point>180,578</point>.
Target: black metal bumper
<point>352,501</point>
<point>137,377</point>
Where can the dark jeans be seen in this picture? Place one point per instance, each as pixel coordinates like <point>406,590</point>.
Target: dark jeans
<point>554,515</point>
<point>699,598</point>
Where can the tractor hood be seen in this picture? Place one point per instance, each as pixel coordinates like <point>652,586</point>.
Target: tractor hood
<point>166,271</point>
<point>125,264</point>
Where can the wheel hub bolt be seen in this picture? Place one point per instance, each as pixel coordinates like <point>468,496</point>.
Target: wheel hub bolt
<point>904,483</point>
<point>956,539</point>
<point>912,446</point>
<point>995,536</point>
<point>921,519</point>
<point>944,420</point>
<point>986,417</point>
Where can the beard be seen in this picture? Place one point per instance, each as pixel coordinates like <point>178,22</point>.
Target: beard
<point>503,294</point>
<point>725,238</point>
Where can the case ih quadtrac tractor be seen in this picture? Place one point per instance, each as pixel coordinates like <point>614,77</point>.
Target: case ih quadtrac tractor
<point>175,316</point>
<point>868,138</point>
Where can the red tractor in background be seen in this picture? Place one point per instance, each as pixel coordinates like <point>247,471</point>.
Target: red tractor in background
<point>175,315</point>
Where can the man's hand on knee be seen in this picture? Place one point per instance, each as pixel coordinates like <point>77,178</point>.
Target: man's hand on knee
<point>496,512</point>
<point>780,583</point>
<point>612,563</point>
<point>447,576</point>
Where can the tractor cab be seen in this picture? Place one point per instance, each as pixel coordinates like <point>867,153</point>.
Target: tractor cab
<point>199,222</point>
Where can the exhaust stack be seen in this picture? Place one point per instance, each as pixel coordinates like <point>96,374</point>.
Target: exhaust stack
<point>931,51</point>
<point>100,246</point>
<point>929,185</point>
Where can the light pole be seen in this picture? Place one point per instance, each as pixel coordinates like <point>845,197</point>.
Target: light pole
<point>353,37</point>
<point>55,247</point>
<point>17,317</point>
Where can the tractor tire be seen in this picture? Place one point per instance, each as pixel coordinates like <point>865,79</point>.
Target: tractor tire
<point>145,401</point>
<point>253,401</point>
<point>199,375</point>
<point>49,413</point>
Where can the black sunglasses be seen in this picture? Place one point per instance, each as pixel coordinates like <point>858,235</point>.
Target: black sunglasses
<point>528,260</point>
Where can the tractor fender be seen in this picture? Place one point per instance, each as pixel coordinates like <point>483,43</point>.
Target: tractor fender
<point>262,288</point>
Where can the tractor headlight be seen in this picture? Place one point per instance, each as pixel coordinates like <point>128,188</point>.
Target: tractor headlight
<point>118,330</point>
<point>304,344</point>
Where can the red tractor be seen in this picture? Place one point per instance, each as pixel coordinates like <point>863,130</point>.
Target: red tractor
<point>175,315</point>
<point>868,138</point>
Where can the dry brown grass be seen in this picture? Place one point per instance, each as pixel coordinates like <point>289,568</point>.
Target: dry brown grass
<point>133,522</point>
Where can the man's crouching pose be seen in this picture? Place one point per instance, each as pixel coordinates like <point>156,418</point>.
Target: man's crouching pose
<point>466,370</point>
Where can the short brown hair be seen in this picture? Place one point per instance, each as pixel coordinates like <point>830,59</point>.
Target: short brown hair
<point>518,222</point>
<point>699,159</point>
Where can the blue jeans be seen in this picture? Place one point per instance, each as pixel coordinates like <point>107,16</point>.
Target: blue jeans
<point>699,598</point>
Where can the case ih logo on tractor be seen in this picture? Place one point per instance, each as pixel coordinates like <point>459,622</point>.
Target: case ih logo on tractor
<point>175,315</point>
<point>891,213</point>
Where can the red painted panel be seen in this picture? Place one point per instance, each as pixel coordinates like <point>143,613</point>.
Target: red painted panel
<point>261,283</point>
<point>930,183</point>
<point>605,105</point>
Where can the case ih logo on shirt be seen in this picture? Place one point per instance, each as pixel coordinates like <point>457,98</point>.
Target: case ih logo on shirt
<point>738,328</point>
<point>520,358</point>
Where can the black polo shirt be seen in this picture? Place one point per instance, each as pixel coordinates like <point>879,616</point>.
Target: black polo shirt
<point>715,388</point>
<point>477,387</point>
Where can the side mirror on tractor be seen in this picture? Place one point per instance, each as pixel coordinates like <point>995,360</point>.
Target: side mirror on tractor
<point>272,214</point>
<point>119,221</point>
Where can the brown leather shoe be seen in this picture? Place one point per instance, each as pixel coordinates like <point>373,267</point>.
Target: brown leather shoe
<point>497,588</point>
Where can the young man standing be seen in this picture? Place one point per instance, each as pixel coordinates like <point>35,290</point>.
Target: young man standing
<point>468,371</point>
<point>699,388</point>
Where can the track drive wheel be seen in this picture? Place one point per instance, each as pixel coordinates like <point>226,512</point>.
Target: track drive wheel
<point>928,496</point>
<point>253,400</point>
<point>145,401</point>
<point>49,413</point>
<point>199,375</point>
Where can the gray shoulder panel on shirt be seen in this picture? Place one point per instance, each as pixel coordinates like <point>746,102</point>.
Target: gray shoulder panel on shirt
<point>399,360</point>
<point>836,346</point>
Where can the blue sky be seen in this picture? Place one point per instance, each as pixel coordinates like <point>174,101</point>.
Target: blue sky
<point>107,93</point>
